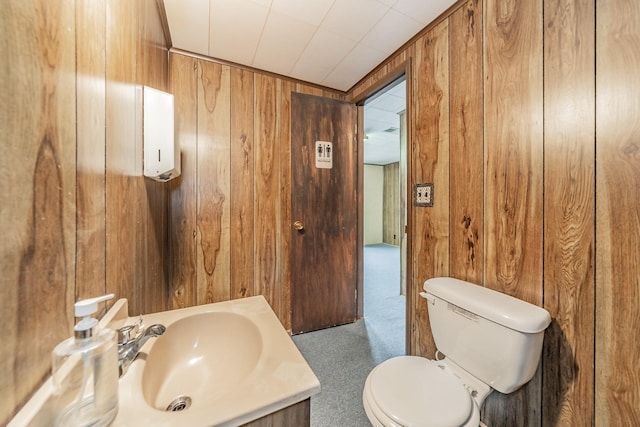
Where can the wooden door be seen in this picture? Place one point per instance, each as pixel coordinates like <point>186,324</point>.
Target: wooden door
<point>324,203</point>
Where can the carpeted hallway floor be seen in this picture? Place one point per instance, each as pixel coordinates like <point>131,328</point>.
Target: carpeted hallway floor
<point>343,356</point>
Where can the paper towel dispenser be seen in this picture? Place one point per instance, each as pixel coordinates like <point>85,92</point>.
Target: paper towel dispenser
<point>161,152</point>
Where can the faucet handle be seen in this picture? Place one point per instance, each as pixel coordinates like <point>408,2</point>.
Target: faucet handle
<point>127,334</point>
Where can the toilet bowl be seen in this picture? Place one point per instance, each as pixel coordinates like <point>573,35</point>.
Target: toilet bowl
<point>492,341</point>
<point>415,391</point>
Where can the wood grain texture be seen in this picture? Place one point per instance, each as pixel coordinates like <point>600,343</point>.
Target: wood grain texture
<point>122,186</point>
<point>152,70</point>
<point>38,192</point>
<point>390,204</point>
<point>617,390</point>
<point>72,65</point>
<point>242,188</point>
<point>513,176</point>
<point>213,192</point>
<point>323,255</point>
<point>298,415</point>
<point>267,176</point>
<point>466,143</point>
<point>182,222</point>
<point>258,159</point>
<point>513,148</point>
<point>581,386</point>
<point>284,267</point>
<point>569,223</point>
<point>429,163</point>
<point>90,98</point>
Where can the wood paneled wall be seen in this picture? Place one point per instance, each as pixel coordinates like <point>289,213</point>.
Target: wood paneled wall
<point>230,210</point>
<point>391,204</point>
<point>617,381</point>
<point>512,106</point>
<point>77,218</point>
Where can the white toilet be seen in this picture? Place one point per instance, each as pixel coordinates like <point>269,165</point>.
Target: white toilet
<point>491,341</point>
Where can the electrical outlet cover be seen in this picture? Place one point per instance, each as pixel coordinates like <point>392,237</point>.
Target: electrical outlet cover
<point>423,195</point>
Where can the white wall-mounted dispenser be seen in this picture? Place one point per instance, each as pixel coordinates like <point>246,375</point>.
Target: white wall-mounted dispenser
<point>161,152</point>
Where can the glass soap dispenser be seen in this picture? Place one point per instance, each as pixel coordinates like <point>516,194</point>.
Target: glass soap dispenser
<point>85,371</point>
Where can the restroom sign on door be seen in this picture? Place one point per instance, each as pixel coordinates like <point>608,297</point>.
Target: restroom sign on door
<point>324,154</point>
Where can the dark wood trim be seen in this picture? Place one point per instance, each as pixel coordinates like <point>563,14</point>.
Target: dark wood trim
<point>296,415</point>
<point>164,23</point>
<point>383,82</point>
<point>409,225</point>
<point>360,245</point>
<point>403,69</point>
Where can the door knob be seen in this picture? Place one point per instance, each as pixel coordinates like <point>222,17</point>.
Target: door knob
<point>298,225</point>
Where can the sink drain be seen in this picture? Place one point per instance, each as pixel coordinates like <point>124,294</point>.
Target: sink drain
<point>179,404</point>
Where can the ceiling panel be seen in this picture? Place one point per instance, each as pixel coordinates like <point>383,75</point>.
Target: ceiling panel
<point>188,21</point>
<point>354,18</point>
<point>230,41</point>
<point>283,41</point>
<point>392,31</point>
<point>382,126</point>
<point>288,36</point>
<point>321,56</point>
<point>312,12</point>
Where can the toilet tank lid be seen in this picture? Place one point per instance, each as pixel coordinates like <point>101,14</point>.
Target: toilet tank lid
<point>492,305</point>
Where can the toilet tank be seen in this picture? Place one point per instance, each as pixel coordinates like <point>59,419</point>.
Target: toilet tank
<point>493,336</point>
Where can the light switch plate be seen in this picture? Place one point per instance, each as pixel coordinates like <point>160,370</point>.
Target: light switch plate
<point>423,194</point>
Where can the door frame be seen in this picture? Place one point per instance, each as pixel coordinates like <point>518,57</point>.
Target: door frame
<point>403,69</point>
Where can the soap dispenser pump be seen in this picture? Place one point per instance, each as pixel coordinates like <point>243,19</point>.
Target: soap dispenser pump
<point>85,371</point>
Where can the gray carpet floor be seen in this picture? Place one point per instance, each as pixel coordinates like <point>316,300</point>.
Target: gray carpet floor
<point>342,357</point>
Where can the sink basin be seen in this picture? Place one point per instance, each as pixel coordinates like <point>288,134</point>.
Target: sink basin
<point>224,364</point>
<point>202,357</point>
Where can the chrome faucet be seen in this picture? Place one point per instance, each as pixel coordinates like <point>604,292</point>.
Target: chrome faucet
<point>129,346</point>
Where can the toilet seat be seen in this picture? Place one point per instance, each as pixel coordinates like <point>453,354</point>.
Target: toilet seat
<point>414,391</point>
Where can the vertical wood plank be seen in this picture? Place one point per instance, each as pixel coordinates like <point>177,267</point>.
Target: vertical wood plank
<point>242,178</point>
<point>123,237</point>
<point>267,173</point>
<point>90,99</point>
<point>38,192</point>
<point>430,163</point>
<point>152,64</point>
<point>152,70</point>
<point>467,165</point>
<point>513,175</point>
<point>286,220</point>
<point>618,216</point>
<point>182,223</point>
<point>390,204</point>
<point>56,117</point>
<point>569,200</point>
<point>214,157</point>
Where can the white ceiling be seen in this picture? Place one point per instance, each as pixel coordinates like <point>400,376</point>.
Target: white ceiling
<point>382,126</point>
<point>333,43</point>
